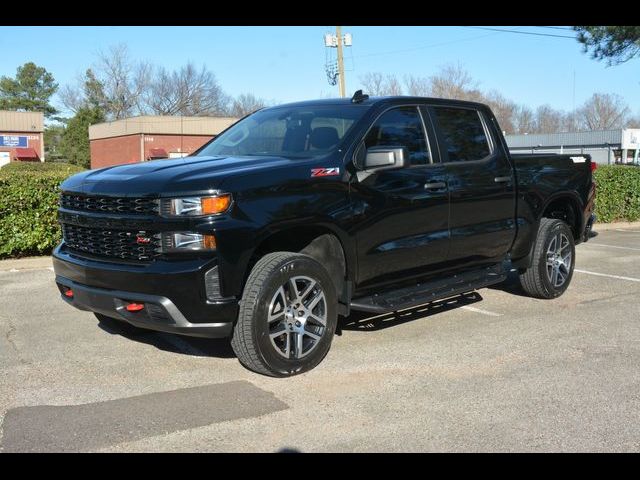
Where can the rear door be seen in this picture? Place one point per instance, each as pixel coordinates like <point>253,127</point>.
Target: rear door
<point>481,186</point>
<point>404,213</point>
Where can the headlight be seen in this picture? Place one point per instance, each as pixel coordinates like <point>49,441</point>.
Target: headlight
<point>185,241</point>
<point>197,206</point>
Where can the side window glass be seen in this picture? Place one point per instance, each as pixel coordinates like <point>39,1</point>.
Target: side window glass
<point>464,135</point>
<point>401,127</point>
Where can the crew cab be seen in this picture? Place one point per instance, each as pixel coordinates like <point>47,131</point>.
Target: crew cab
<point>303,212</point>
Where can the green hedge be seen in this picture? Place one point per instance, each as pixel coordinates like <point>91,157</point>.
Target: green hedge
<point>617,193</point>
<point>28,207</point>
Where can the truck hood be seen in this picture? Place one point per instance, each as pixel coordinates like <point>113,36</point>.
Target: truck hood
<point>169,177</point>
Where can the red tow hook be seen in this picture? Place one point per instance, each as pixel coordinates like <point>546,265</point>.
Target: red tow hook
<point>68,293</point>
<point>135,307</point>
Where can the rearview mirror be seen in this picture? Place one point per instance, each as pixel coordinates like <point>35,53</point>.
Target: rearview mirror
<point>385,158</point>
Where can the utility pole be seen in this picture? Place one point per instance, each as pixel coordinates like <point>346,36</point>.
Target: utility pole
<point>335,69</point>
<point>340,62</point>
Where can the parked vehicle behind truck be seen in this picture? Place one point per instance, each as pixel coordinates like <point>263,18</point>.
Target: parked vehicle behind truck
<point>300,213</point>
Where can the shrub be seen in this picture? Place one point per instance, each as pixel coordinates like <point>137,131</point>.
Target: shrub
<point>28,207</point>
<point>617,193</point>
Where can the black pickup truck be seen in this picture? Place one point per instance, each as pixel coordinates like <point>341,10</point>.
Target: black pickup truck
<point>299,213</point>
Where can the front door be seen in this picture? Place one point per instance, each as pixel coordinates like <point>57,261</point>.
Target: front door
<point>481,186</point>
<point>403,222</point>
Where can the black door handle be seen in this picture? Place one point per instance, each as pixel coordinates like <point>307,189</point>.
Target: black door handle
<point>502,179</point>
<point>434,185</point>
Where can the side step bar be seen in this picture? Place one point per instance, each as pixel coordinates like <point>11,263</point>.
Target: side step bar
<point>422,293</point>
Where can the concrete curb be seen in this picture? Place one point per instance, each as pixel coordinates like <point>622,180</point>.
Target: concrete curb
<point>602,227</point>
<point>27,263</point>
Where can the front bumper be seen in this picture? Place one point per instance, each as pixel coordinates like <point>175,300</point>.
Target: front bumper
<point>173,292</point>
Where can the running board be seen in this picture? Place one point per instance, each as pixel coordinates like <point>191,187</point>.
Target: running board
<point>426,292</point>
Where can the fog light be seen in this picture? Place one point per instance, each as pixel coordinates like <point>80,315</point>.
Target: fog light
<point>187,241</point>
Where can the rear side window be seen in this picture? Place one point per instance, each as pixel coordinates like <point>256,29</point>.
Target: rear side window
<point>463,133</point>
<point>401,127</point>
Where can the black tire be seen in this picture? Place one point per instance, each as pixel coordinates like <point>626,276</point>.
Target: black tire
<point>535,280</point>
<point>120,325</point>
<point>250,339</point>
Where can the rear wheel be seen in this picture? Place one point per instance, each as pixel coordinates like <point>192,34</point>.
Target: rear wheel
<point>553,261</point>
<point>287,317</point>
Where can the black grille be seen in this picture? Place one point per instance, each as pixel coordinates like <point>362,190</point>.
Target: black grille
<point>125,245</point>
<point>127,206</point>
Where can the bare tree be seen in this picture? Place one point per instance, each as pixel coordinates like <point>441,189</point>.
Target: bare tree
<point>505,110</point>
<point>392,85</point>
<point>71,97</point>
<point>524,120</point>
<point>188,91</point>
<point>453,81</point>
<point>604,111</point>
<point>633,122</point>
<point>377,84</point>
<point>571,122</point>
<point>372,83</point>
<point>123,81</point>
<point>417,86</point>
<point>245,104</point>
<point>548,120</point>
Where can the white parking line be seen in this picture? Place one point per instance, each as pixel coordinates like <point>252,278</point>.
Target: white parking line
<point>611,246</point>
<point>626,231</point>
<point>479,310</point>
<point>630,279</point>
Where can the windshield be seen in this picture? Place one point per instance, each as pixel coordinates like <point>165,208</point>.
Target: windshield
<point>288,131</point>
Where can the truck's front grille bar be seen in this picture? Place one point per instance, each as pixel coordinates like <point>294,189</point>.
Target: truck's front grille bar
<point>115,244</point>
<point>101,204</point>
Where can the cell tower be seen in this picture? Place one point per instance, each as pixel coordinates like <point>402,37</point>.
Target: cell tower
<point>335,68</point>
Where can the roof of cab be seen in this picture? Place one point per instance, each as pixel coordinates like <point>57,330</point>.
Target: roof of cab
<point>371,101</point>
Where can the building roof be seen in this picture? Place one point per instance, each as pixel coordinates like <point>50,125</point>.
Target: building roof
<point>596,137</point>
<point>169,125</point>
<point>11,121</point>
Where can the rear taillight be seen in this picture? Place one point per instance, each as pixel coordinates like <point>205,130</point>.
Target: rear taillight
<point>594,165</point>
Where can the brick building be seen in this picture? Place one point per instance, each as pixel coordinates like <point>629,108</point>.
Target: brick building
<point>139,139</point>
<point>21,136</point>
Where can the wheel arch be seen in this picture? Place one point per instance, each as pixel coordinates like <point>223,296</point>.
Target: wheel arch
<point>565,201</point>
<point>565,206</point>
<point>324,242</point>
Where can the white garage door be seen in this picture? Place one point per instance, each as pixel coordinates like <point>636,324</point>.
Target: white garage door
<point>4,158</point>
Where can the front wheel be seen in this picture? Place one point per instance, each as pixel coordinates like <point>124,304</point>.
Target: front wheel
<point>288,315</point>
<point>553,261</point>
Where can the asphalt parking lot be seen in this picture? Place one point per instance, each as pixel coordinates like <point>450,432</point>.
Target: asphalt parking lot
<point>490,371</point>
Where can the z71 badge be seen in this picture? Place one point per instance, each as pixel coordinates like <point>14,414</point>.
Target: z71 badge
<point>325,172</point>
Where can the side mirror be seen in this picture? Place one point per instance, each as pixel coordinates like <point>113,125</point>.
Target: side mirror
<point>385,158</point>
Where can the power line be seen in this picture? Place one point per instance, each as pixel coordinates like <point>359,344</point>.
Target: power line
<point>424,46</point>
<point>522,33</point>
<point>558,28</point>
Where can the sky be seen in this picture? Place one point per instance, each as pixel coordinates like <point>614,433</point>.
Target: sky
<point>283,64</point>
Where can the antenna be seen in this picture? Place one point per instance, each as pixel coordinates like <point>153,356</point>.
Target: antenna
<point>359,97</point>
